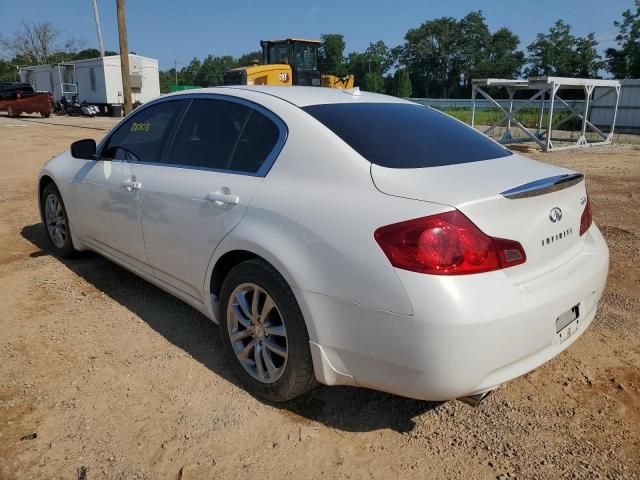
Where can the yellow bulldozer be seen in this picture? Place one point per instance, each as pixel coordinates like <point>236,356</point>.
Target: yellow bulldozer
<point>293,61</point>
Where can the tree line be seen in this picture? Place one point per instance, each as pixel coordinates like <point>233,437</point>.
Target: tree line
<point>439,58</point>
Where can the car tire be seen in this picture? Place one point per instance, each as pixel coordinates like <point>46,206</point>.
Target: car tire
<point>56,222</point>
<point>263,372</point>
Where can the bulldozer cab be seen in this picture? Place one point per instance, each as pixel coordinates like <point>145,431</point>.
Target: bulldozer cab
<point>301,55</point>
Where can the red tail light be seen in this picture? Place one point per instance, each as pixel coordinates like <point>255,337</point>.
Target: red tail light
<point>587,219</point>
<point>446,244</point>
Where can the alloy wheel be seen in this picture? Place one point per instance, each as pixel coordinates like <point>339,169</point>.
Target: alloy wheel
<point>257,333</point>
<point>55,220</point>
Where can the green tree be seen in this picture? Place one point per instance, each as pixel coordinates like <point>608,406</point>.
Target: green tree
<point>587,59</point>
<point>8,71</point>
<point>250,58</point>
<point>474,44</point>
<point>187,75</point>
<point>331,54</point>
<point>432,55</point>
<point>372,82</point>
<point>487,55</point>
<point>91,53</point>
<point>167,78</point>
<point>505,60</point>
<point>377,58</point>
<point>401,83</point>
<point>211,72</point>
<point>561,54</point>
<point>624,61</point>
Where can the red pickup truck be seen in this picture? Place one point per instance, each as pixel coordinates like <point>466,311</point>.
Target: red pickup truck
<point>18,98</point>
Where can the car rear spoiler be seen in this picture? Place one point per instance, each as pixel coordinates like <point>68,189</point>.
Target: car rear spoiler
<point>543,186</point>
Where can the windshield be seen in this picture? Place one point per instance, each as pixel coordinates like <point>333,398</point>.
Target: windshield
<point>305,57</point>
<point>405,135</point>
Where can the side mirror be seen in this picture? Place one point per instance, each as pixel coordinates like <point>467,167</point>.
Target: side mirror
<point>84,149</point>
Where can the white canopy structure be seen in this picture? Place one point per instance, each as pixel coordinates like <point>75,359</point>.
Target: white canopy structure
<point>546,94</point>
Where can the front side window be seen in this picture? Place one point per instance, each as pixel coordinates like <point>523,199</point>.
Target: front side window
<point>223,135</point>
<point>279,53</point>
<point>405,135</point>
<point>143,137</point>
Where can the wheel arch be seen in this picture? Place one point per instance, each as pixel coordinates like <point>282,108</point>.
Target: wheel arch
<point>223,266</point>
<point>224,260</point>
<point>43,182</point>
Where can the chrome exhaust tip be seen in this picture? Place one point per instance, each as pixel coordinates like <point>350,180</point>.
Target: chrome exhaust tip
<point>475,400</point>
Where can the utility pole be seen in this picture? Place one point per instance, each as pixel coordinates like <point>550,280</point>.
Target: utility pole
<point>96,14</point>
<point>124,56</point>
<point>175,69</point>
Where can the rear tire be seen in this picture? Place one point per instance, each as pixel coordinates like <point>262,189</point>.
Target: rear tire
<point>269,352</point>
<point>56,222</point>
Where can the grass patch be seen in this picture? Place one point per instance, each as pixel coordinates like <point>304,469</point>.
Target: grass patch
<point>528,117</point>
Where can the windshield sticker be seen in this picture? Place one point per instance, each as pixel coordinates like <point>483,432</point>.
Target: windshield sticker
<point>140,127</point>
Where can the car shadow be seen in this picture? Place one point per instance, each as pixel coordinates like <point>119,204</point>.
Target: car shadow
<point>342,408</point>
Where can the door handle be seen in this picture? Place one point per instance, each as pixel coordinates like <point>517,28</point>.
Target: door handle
<point>222,198</point>
<point>130,185</point>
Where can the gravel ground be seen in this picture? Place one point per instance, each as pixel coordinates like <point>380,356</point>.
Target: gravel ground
<point>104,376</point>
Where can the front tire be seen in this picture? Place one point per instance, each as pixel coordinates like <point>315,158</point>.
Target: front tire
<point>263,333</point>
<point>56,222</point>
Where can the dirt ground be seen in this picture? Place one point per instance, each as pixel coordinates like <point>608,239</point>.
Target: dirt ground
<point>119,380</point>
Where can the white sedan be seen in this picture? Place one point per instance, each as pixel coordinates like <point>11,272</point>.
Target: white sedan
<point>339,237</point>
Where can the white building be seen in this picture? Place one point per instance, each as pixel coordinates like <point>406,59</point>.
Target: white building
<point>97,81</point>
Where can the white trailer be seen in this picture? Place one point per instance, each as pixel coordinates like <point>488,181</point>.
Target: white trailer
<point>97,81</point>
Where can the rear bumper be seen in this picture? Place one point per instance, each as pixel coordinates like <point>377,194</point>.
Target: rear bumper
<point>468,333</point>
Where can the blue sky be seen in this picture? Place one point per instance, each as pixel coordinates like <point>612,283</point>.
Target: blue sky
<point>178,30</point>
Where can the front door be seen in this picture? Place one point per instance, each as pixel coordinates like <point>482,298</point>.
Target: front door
<point>108,191</point>
<point>108,206</point>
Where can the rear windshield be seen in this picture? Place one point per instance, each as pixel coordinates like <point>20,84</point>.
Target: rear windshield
<point>402,135</point>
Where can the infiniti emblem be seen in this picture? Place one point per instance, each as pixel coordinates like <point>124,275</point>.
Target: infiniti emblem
<point>555,215</point>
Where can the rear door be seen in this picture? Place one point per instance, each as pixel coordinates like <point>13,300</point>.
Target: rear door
<point>222,150</point>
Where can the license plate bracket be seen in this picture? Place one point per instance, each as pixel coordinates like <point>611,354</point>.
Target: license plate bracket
<point>567,323</point>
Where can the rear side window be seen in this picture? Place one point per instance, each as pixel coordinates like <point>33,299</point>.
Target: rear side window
<point>398,135</point>
<point>225,136</point>
<point>258,139</point>
<point>143,136</point>
<point>208,134</point>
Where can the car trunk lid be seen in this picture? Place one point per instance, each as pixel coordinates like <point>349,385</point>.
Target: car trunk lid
<point>513,197</point>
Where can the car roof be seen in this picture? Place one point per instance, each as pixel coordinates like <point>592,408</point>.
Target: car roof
<point>302,96</point>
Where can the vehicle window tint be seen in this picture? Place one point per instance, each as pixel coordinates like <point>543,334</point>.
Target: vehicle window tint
<point>279,53</point>
<point>305,57</point>
<point>209,133</point>
<point>143,136</point>
<point>402,135</point>
<point>258,139</point>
